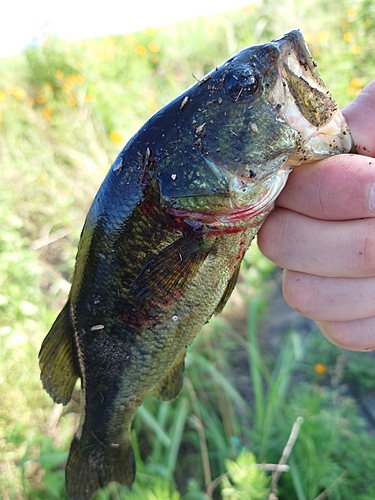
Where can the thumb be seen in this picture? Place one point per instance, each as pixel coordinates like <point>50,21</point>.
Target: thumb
<point>360,115</point>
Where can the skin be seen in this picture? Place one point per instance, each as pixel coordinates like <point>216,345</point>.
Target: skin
<point>322,232</point>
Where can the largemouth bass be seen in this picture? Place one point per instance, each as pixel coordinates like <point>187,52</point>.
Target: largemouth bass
<point>162,244</point>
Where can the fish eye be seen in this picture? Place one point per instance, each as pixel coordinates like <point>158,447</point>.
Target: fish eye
<point>243,84</point>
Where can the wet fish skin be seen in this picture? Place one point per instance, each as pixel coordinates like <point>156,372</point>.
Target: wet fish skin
<point>163,241</point>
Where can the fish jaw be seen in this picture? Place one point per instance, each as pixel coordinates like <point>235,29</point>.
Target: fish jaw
<point>307,105</point>
<point>332,138</point>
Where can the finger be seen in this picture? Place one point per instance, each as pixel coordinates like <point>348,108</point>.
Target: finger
<point>329,299</point>
<point>339,188</point>
<point>333,249</point>
<point>360,115</point>
<point>357,335</point>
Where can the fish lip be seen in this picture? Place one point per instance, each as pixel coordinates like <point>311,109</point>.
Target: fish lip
<point>330,135</point>
<point>295,54</point>
<point>236,215</point>
<point>332,138</point>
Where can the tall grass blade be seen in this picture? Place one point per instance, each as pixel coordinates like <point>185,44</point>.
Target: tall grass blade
<point>232,392</point>
<point>296,478</point>
<point>255,364</point>
<point>176,433</point>
<point>165,409</point>
<point>154,425</point>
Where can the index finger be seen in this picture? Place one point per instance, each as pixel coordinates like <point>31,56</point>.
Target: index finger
<point>360,115</point>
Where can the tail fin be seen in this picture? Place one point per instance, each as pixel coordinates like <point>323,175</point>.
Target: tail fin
<point>91,467</point>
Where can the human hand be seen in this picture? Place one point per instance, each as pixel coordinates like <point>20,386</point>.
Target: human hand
<point>322,232</point>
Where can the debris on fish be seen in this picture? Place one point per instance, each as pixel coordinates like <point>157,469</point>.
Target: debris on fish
<point>162,244</point>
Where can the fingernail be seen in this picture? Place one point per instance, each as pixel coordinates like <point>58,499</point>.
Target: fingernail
<point>372,198</point>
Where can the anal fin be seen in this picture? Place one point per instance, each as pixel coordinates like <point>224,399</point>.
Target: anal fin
<point>58,368</point>
<point>171,384</point>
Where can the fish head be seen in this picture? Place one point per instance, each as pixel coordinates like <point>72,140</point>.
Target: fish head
<point>244,126</point>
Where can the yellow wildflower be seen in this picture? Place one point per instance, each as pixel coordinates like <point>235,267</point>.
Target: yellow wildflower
<point>79,79</point>
<point>316,52</point>
<point>2,95</point>
<point>153,47</point>
<point>43,179</point>
<point>149,31</point>
<point>348,37</point>
<point>18,93</point>
<point>59,74</point>
<point>115,137</point>
<point>352,12</point>
<point>41,99</point>
<point>141,51</point>
<point>355,49</point>
<point>68,85</point>
<point>356,83</point>
<point>47,113</point>
<point>71,100</point>
<point>320,369</point>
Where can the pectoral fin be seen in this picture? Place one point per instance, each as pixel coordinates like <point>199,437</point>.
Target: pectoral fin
<point>229,289</point>
<point>171,384</point>
<point>169,270</point>
<point>59,370</point>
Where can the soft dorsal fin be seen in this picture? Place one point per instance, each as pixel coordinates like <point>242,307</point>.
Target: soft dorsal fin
<point>59,371</point>
<point>170,269</point>
<point>229,289</point>
<point>171,384</point>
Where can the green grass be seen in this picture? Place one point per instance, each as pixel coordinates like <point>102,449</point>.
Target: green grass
<point>66,109</point>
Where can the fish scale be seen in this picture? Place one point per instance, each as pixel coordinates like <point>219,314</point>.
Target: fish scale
<point>162,244</point>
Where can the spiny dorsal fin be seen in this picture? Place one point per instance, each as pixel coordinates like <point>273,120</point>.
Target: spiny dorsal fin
<point>171,384</point>
<point>58,369</point>
<point>170,269</point>
<point>229,289</point>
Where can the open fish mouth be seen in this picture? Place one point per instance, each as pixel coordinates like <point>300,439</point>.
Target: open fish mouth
<point>307,105</point>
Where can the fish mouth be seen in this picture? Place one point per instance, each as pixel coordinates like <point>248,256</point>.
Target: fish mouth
<point>308,107</point>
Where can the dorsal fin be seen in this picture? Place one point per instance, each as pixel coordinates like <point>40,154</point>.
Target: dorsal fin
<point>58,368</point>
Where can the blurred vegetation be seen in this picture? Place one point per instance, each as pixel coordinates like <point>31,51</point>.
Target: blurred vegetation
<point>66,109</point>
